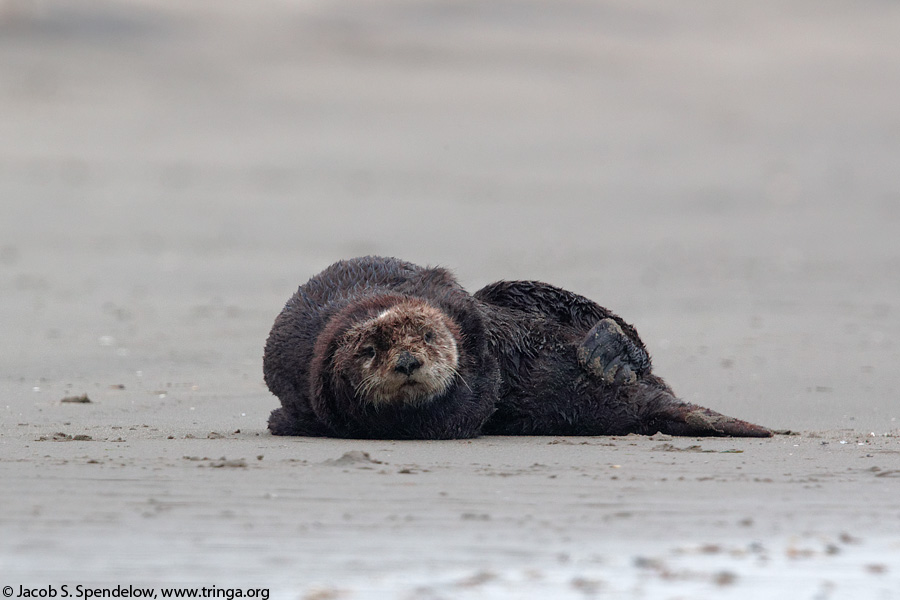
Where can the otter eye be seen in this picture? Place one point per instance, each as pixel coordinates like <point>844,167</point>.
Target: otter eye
<point>367,352</point>
<point>429,337</point>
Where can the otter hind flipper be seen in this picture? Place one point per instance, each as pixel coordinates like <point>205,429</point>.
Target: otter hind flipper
<point>610,355</point>
<point>679,418</point>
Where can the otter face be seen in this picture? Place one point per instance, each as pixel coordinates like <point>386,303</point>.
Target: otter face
<point>407,354</point>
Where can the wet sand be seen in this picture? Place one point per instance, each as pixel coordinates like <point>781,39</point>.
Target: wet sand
<point>725,179</point>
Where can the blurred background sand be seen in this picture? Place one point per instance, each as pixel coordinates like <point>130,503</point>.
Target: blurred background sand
<point>724,176</point>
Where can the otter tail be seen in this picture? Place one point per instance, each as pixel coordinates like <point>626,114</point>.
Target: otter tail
<point>690,419</point>
<point>670,415</point>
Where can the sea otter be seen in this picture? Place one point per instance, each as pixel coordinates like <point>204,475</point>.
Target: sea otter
<point>381,348</point>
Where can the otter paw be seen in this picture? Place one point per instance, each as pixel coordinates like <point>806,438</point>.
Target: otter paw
<point>610,355</point>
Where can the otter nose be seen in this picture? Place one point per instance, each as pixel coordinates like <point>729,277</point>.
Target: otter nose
<point>407,363</point>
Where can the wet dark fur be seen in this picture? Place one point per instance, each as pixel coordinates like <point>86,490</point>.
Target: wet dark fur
<point>535,331</point>
<point>519,357</point>
<point>298,361</point>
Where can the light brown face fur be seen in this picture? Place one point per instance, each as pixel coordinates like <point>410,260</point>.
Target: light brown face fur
<point>407,354</point>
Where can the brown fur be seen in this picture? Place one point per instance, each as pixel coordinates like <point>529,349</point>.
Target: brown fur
<point>370,349</point>
<point>380,348</point>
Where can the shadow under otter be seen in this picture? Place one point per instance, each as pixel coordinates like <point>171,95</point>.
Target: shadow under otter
<point>381,348</point>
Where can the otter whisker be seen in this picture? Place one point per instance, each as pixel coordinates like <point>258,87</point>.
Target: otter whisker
<point>371,387</point>
<point>359,386</point>
<point>454,371</point>
<point>366,385</point>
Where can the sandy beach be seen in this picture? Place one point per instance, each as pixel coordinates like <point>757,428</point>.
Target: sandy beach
<point>725,178</point>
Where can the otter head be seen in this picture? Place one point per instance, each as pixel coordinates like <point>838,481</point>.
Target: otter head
<point>406,354</point>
